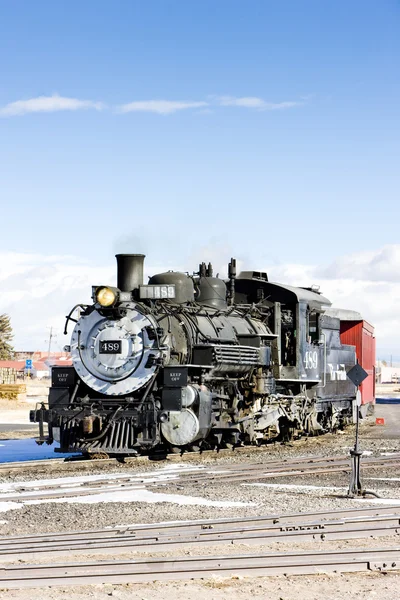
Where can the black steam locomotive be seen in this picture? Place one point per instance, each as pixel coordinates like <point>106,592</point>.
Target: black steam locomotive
<point>195,361</point>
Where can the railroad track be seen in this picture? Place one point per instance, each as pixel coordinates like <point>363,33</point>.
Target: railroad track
<point>248,565</point>
<point>207,524</point>
<point>76,463</point>
<point>306,466</point>
<point>84,464</point>
<point>160,537</point>
<point>69,487</point>
<point>365,522</point>
<point>298,464</point>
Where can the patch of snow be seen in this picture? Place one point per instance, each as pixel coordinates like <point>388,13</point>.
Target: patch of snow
<point>136,525</point>
<point>182,467</point>
<point>167,473</point>
<point>364,452</point>
<point>393,501</point>
<point>15,416</point>
<point>142,495</point>
<point>217,472</point>
<point>25,495</point>
<point>115,488</point>
<point>5,506</point>
<point>293,486</point>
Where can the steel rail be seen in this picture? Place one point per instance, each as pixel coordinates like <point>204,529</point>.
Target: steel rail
<point>92,491</point>
<point>64,463</point>
<point>292,464</point>
<point>210,524</point>
<point>75,462</point>
<point>264,472</point>
<point>142,570</point>
<point>262,533</point>
<point>318,532</point>
<point>46,492</point>
<point>83,464</point>
<point>111,479</point>
<point>250,471</point>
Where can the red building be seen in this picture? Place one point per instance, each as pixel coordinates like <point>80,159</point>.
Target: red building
<point>360,333</point>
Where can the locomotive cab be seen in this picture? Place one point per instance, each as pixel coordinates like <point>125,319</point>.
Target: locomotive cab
<point>296,324</point>
<point>310,352</point>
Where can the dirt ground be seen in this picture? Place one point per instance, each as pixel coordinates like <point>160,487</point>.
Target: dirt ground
<point>387,389</point>
<point>317,587</point>
<point>16,413</point>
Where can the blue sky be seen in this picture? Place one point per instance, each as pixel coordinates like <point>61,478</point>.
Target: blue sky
<point>269,130</point>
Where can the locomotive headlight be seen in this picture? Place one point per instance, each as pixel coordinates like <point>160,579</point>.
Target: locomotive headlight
<point>105,296</point>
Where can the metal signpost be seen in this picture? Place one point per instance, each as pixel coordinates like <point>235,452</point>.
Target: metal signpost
<point>28,366</point>
<point>357,375</point>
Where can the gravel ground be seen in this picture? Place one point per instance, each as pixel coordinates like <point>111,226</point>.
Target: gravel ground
<point>45,518</point>
<point>262,499</point>
<point>18,434</point>
<point>51,517</point>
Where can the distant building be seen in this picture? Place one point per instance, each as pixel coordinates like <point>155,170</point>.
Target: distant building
<point>388,374</point>
<point>41,363</point>
<point>39,355</point>
<point>23,354</point>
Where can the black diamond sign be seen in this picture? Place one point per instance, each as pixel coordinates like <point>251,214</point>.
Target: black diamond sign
<point>357,374</point>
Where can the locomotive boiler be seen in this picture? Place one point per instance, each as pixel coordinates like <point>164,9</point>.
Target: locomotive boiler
<point>193,361</point>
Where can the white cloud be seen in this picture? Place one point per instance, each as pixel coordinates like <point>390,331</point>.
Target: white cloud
<point>45,104</point>
<point>381,265</point>
<point>254,102</point>
<point>56,103</point>
<point>367,282</point>
<point>167,107</point>
<point>161,107</point>
<point>38,291</point>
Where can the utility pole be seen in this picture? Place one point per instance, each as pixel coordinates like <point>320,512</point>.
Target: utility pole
<point>51,335</point>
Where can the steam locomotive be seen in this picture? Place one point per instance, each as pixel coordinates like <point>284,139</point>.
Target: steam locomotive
<point>189,362</point>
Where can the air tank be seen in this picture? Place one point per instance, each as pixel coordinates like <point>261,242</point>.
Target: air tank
<point>212,292</point>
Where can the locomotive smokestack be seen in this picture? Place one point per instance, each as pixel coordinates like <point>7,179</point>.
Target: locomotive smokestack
<point>129,271</point>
